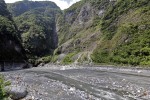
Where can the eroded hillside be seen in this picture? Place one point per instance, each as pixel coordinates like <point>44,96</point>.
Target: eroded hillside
<point>106,31</point>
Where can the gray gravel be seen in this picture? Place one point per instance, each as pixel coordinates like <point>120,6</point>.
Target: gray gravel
<point>54,82</point>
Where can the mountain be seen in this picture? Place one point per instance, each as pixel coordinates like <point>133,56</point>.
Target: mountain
<point>90,31</point>
<point>36,24</point>
<point>21,7</point>
<point>105,31</point>
<point>10,46</point>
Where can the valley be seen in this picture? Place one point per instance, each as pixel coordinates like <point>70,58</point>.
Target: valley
<point>51,54</point>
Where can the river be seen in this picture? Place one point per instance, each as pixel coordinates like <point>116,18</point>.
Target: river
<point>55,82</point>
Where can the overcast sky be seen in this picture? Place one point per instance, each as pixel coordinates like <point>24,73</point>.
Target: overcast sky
<point>63,4</point>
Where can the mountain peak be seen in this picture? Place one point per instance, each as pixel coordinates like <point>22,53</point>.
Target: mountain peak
<point>20,7</point>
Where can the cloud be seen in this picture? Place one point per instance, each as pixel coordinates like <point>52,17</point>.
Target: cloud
<point>10,1</point>
<point>68,1</point>
<point>63,4</point>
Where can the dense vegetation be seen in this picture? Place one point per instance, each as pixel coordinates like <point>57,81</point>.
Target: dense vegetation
<point>126,34</point>
<point>10,47</point>
<point>21,7</point>
<point>37,30</point>
<point>36,23</point>
<point>3,10</point>
<point>113,31</point>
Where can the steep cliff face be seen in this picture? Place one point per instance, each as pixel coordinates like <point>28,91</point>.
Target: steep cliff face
<point>10,47</point>
<point>37,28</point>
<point>113,31</point>
<point>36,21</point>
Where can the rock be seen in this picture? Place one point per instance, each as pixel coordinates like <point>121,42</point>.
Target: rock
<point>17,92</point>
<point>139,71</point>
<point>72,89</point>
<point>41,64</point>
<point>26,65</point>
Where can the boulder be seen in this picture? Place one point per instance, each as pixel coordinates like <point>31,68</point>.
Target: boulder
<point>17,92</point>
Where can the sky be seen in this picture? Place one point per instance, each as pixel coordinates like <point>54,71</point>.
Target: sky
<point>63,4</point>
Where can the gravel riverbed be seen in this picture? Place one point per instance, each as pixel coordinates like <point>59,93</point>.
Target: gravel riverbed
<point>55,82</point>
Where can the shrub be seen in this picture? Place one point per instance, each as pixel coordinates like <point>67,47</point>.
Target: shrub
<point>68,59</point>
<point>101,56</point>
<point>3,83</point>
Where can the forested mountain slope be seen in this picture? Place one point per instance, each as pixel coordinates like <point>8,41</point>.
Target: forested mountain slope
<point>10,46</point>
<point>36,23</point>
<point>99,31</point>
<point>106,31</point>
<point>21,7</point>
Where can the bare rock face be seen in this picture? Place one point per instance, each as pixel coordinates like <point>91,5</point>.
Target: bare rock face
<point>85,14</point>
<point>17,92</point>
<point>68,17</point>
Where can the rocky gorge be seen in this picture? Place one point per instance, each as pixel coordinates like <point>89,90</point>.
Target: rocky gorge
<point>61,48</point>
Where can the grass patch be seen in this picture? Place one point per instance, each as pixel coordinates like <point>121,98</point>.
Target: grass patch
<point>68,58</point>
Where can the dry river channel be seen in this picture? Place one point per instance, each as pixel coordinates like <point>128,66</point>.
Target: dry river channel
<point>55,82</point>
